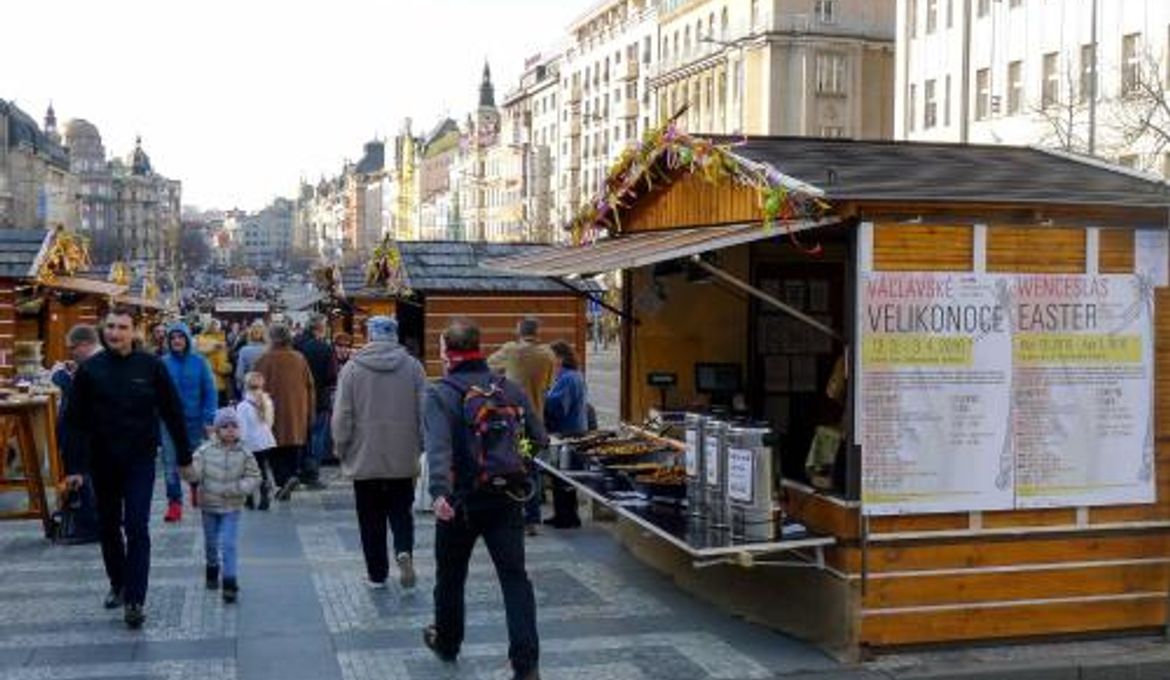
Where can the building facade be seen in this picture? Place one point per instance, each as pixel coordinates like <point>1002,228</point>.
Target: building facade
<point>1029,72</point>
<point>87,161</point>
<point>37,187</point>
<point>266,236</point>
<point>532,123</point>
<point>438,153</point>
<point>821,68</point>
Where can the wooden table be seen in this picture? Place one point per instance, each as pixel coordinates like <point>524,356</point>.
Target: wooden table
<point>18,424</point>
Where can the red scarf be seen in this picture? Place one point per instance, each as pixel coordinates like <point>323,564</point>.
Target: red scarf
<point>456,357</point>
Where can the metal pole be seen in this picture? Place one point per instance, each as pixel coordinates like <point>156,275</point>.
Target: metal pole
<point>1093,85</point>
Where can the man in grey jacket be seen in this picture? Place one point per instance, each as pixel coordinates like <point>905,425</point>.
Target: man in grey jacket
<point>377,434</point>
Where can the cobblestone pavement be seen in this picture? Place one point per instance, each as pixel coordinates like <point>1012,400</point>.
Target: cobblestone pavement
<point>304,611</point>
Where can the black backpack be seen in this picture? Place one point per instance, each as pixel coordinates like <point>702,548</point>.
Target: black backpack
<point>496,434</point>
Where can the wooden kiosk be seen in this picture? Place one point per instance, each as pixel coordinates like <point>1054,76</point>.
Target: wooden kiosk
<point>1004,318</point>
<point>425,283</point>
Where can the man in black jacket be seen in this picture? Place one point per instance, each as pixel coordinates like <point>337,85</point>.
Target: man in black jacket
<point>466,509</point>
<point>118,398</point>
<point>323,364</point>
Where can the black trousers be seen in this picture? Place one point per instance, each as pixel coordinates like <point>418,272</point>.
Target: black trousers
<point>382,503</point>
<point>124,488</point>
<point>283,460</point>
<point>500,521</point>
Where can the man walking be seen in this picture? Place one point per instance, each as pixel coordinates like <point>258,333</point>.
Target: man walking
<point>82,342</point>
<point>323,364</point>
<point>290,383</point>
<point>478,427</point>
<point>195,385</point>
<point>377,434</point>
<point>531,365</point>
<point>119,397</point>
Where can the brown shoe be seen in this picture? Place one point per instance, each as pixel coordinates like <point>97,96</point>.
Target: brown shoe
<point>406,575</point>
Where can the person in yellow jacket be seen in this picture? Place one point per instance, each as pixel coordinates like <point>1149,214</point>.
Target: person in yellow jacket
<point>212,344</point>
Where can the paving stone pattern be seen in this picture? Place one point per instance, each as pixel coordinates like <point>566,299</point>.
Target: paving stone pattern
<point>305,611</point>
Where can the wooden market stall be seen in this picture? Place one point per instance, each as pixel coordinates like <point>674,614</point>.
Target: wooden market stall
<point>982,326</point>
<point>430,282</point>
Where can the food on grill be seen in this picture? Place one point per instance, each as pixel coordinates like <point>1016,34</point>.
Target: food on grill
<point>625,448</point>
<point>636,467</point>
<point>586,441</point>
<point>666,476</point>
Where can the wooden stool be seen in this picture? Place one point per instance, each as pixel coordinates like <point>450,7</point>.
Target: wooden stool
<point>20,418</point>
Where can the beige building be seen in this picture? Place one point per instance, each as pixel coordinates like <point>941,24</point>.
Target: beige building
<point>531,123</point>
<point>786,67</point>
<point>438,152</point>
<point>37,187</point>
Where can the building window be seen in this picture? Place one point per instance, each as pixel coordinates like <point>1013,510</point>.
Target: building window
<point>912,17</point>
<point>929,106</point>
<point>1130,63</point>
<point>1015,3</point>
<point>931,16</point>
<point>1015,87</point>
<point>832,131</point>
<point>947,102</point>
<point>723,24</point>
<point>1166,165</point>
<point>830,73</point>
<point>950,13</point>
<point>982,8</point>
<point>912,107</point>
<point>826,11</point>
<point>1088,73</point>
<point>755,15</point>
<point>1050,87</point>
<point>982,93</point>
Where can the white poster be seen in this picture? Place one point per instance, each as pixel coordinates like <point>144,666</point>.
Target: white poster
<point>741,483</point>
<point>1151,256</point>
<point>1083,389</point>
<point>934,393</point>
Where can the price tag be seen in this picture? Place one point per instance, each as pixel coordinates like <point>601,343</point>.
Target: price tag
<point>692,454</point>
<point>712,450</point>
<point>741,469</point>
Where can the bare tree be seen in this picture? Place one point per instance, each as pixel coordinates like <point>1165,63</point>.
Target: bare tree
<point>1141,116</point>
<point>1065,116</point>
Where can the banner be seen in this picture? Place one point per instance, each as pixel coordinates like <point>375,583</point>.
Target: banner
<point>1083,390</point>
<point>935,393</point>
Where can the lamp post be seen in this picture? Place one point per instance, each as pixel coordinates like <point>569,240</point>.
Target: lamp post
<point>738,44</point>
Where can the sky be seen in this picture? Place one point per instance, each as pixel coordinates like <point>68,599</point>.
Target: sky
<point>241,99</point>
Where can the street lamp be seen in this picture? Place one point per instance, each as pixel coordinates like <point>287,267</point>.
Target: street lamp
<point>738,44</point>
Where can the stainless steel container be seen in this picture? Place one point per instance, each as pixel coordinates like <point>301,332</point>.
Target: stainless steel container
<point>748,483</point>
<point>715,473</point>
<point>695,425</point>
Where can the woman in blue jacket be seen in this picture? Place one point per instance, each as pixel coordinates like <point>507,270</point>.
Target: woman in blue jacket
<point>566,414</point>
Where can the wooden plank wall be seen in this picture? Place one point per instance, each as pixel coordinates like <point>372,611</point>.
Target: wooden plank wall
<point>62,318</point>
<point>692,201</point>
<point>562,317</point>
<point>1014,573</point>
<point>7,328</point>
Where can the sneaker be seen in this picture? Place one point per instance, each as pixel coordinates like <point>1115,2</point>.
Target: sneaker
<point>250,503</point>
<point>264,502</point>
<point>113,599</point>
<point>406,575</point>
<point>174,512</point>
<point>285,491</point>
<point>231,590</point>
<point>431,640</point>
<point>212,578</point>
<point>134,616</point>
<point>375,585</point>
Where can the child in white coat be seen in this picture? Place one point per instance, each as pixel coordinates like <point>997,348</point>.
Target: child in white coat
<point>256,415</point>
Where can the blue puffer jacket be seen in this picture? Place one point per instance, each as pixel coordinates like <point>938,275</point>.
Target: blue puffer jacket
<point>193,381</point>
<point>564,408</point>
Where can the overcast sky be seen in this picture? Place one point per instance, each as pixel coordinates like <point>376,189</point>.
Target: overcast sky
<point>241,98</point>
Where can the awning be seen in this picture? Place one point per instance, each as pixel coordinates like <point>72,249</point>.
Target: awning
<point>92,286</point>
<point>141,302</point>
<point>236,306</point>
<point>643,248</point>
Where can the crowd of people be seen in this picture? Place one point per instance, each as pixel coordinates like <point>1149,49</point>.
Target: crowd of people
<point>248,416</point>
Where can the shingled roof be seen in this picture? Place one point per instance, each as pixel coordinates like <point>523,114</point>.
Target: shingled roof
<point>454,266</point>
<point>937,172</point>
<point>19,249</point>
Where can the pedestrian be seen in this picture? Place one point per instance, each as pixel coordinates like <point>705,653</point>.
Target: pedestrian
<point>290,382</point>
<point>322,362</point>
<point>158,340</point>
<point>249,353</point>
<point>119,397</point>
<point>478,430</point>
<point>195,386</point>
<point>212,344</point>
<point>82,342</point>
<point>531,365</point>
<point>227,474</point>
<point>342,350</point>
<point>566,414</point>
<point>256,413</point>
<point>377,433</point>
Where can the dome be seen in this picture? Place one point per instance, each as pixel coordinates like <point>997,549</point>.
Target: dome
<point>79,129</point>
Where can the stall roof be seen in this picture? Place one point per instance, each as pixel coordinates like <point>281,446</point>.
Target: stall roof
<point>457,266</point>
<point>142,302</point>
<point>643,248</point>
<point>83,285</point>
<point>20,250</point>
<point>939,172</point>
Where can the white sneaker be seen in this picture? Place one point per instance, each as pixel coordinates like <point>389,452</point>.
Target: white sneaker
<point>375,585</point>
<point>406,575</point>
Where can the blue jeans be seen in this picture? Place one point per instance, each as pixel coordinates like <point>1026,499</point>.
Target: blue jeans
<point>320,439</point>
<point>221,532</point>
<point>170,459</point>
<point>124,485</point>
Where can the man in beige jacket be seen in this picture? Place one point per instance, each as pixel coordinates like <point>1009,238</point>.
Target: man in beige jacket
<point>531,364</point>
<point>377,434</point>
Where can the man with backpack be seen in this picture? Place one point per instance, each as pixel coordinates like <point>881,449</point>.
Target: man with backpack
<point>479,435</point>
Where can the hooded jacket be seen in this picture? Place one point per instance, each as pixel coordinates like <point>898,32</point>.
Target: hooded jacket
<point>227,475</point>
<point>378,413</point>
<point>194,382</point>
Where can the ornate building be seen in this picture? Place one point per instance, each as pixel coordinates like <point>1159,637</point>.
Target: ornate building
<point>37,188</point>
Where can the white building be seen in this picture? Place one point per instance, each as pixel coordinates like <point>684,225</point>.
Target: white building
<point>266,237</point>
<point>605,97</point>
<point>532,123</point>
<point>1035,72</point>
